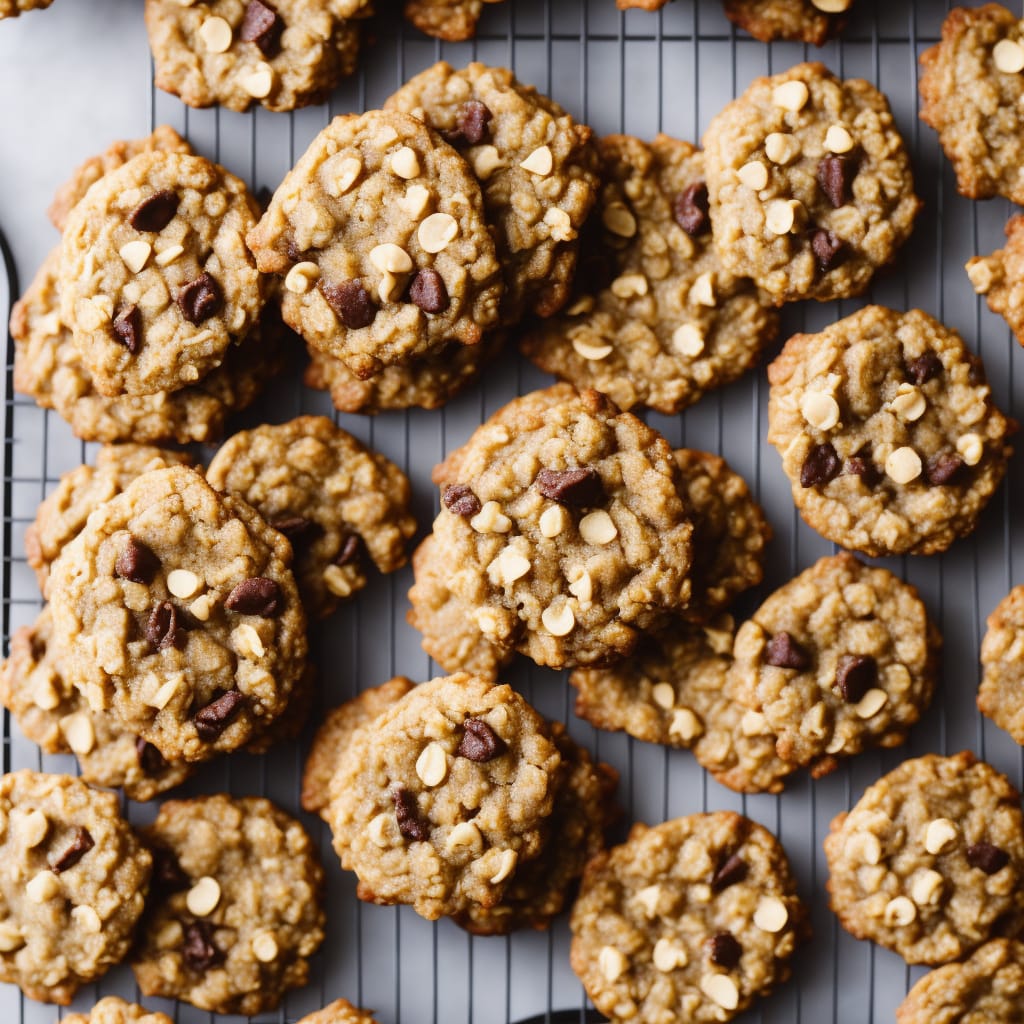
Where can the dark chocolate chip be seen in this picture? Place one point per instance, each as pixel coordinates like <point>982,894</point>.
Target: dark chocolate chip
<point>579,488</point>
<point>200,299</point>
<point>167,876</point>
<point>783,651</point>
<point>724,950</point>
<point>473,121</point>
<point>408,814</point>
<point>127,328</point>
<point>351,547</point>
<point>299,530</point>
<point>828,248</point>
<point>165,628</point>
<point>855,675</point>
<point>480,742</point>
<point>987,857</point>
<point>863,465</point>
<point>732,870</point>
<point>155,212</point>
<point>212,720</point>
<point>942,468</point>
<point>925,367</point>
<point>461,500</point>
<point>835,178</point>
<point>263,26</point>
<point>821,465</point>
<point>976,370</point>
<point>691,209</point>
<point>427,291</point>
<point>257,596</point>
<point>351,303</point>
<point>198,951</point>
<point>136,562</point>
<point>77,846</point>
<point>151,761</point>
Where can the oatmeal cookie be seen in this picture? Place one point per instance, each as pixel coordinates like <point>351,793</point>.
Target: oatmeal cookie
<point>692,920</point>
<point>239,910</point>
<point>1001,694</point>
<point>887,432</point>
<point>451,20</point>
<point>175,608</point>
<point>808,21</point>
<point>73,884</point>
<point>339,503</point>
<point>341,1011</point>
<point>113,1010</point>
<point>668,322</point>
<point>929,861</point>
<point>810,185</point>
<point>537,167</point>
<point>1000,277</point>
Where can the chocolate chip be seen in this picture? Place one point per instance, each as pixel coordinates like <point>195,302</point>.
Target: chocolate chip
<point>732,870</point>
<point>127,328</point>
<point>198,951</point>
<point>167,874</point>
<point>427,291</point>
<point>579,488</point>
<point>473,121</point>
<point>783,651</point>
<point>351,546</point>
<point>257,596</point>
<point>299,530</point>
<point>151,761</point>
<point>408,814</point>
<point>691,209</point>
<point>461,500</point>
<point>480,742</point>
<point>942,468</point>
<point>987,857</point>
<point>212,720</point>
<point>136,562</point>
<point>724,950</point>
<point>855,675</point>
<point>165,628</point>
<point>351,303</point>
<point>155,212</point>
<point>863,465</point>
<point>78,845</point>
<point>835,177</point>
<point>925,367</point>
<point>821,465</point>
<point>263,26</point>
<point>976,370</point>
<point>828,248</point>
<point>200,299</point>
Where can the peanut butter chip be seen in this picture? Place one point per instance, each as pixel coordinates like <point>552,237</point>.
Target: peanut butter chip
<point>598,528</point>
<point>903,465</point>
<point>436,231</point>
<point>302,277</point>
<point>391,258</point>
<point>791,96</point>
<point>182,583</point>
<point>32,828</point>
<point>771,914</point>
<point>619,220</point>
<point>754,175</point>
<point>553,521</point>
<point>203,897</point>
<point>42,887</point>
<point>781,148</point>
<point>721,989</point>
<point>135,254</point>
<point>558,620</point>
<point>899,912</point>
<point>939,834</point>
<point>405,163</point>
<point>611,963</point>
<point>667,956</point>
<point>688,340</point>
<point>592,352</point>
<point>664,695</point>
<point>87,920</point>
<point>838,139</point>
<point>506,865</point>
<point>264,946</point>
<point>539,162</point>
<point>216,34</point>
<point>258,82</point>
<point>783,215</point>
<point>1008,56</point>
<point>820,410</point>
<point>432,765</point>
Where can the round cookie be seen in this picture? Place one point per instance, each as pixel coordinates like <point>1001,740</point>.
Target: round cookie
<point>988,987</point>
<point>156,281</point>
<point>445,797</point>
<point>971,94</point>
<point>537,167</point>
<point>73,884</point>
<point>334,499</point>
<point>1001,694</point>
<point>379,233</point>
<point>887,432</point>
<point>240,909</point>
<point>113,1010</point>
<point>841,658</point>
<point>808,21</point>
<point>810,185</point>
<point>999,277</point>
<point>451,20</point>
<point>928,863</point>
<point>12,8</point>
<point>667,321</point>
<point>341,1011</point>
<point>692,920</point>
<point>176,609</point>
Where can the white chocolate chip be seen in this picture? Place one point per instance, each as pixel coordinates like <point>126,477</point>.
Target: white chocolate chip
<point>781,148</point>
<point>337,582</point>
<point>378,829</point>
<point>583,588</point>
<point>629,286</point>
<point>259,81</point>
<point>832,6</point>
<point>667,956</point>
<point>771,914</point>
<point>754,175</point>
<point>721,989</point>
<point>135,254</point>
<point>560,223</point>
<point>163,695</point>
<point>539,162</point>
<point>415,201</point>
<point>405,163</point>
<point>349,168</point>
<point>619,220</point>
<point>553,521</point>
<point>864,847</point>
<point>598,528</point>
<point>203,897</point>
<point>664,695</point>
<point>201,607</point>
<point>246,641</point>
<point>899,912</point>
<point>558,621</point>
<point>820,410</point>
<point>688,340</point>
<point>464,834</point>
<point>264,945</point>
<point>216,34</point>
<point>87,920</point>
<point>506,866</point>
<point>686,725</point>
<point>593,352</point>
<point>791,96</point>
<point>485,160</point>
<point>783,215</point>
<point>971,448</point>
<point>909,403</point>
<point>939,834</point>
<point>436,231</point>
<point>490,519</point>
<point>10,937</point>
<point>42,887</point>
<point>1008,56</point>
<point>838,139</point>
<point>611,963</point>
<point>702,293</point>
<point>79,733</point>
<point>509,565</point>
<point>391,258</point>
<point>301,277</point>
<point>903,465</point>
<point>432,765</point>
<point>927,888</point>
<point>32,828</point>
<point>648,899</point>
<point>182,583</point>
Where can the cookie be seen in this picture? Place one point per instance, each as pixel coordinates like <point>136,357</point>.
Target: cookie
<point>445,797</point>
<point>998,277</point>
<point>987,987</point>
<point>810,185</point>
<point>12,8</point>
<point>808,21</point>
<point>971,94</point>
<point>1001,694</point>
<point>562,528</point>
<point>175,608</point>
<point>451,20</point>
<point>156,281</point>
<point>341,1011</point>
<point>283,55</point>
<point>887,432</point>
<point>49,369</point>
<point>379,233</point>
<point>691,920</point>
<point>113,1010</point>
<point>537,168</point>
<point>239,911</point>
<point>928,862</point>
<point>339,503</point>
<point>667,322</point>
<point>841,658</point>
<point>73,886</point>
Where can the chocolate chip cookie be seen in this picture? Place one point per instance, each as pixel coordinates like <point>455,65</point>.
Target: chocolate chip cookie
<point>1001,694</point>
<point>379,233</point>
<point>929,861</point>
<point>341,1011</point>
<point>998,277</point>
<point>156,281</point>
<point>451,20</point>
<point>238,906</point>
<point>113,1010</point>
<point>667,321</point>
<point>810,185</point>
<point>692,920</point>
<point>887,432</point>
<point>175,608</point>
<point>808,21</point>
<point>338,503</point>
<point>73,884</point>
<point>537,167</point>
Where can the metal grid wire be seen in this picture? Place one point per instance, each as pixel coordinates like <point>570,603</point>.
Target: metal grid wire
<point>640,73</point>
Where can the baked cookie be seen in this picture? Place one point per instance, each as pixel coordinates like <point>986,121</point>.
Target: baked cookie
<point>841,658</point>
<point>987,987</point>
<point>451,20</point>
<point>562,528</point>
<point>12,8</point>
<point>1001,694</point>
<point>337,502</point>
<point>73,884</point>
<point>448,793</point>
<point>537,167</point>
<point>175,608</point>
<point>667,322</point>
<point>929,861</point>
<point>999,277</point>
<point>692,920</point>
<point>971,94</point>
<point>341,1011</point>
<point>239,909</point>
<point>887,432</point>
<point>810,185</point>
<point>380,235</point>
<point>808,21</point>
<point>113,1010</point>
<point>283,55</point>
<point>49,369</point>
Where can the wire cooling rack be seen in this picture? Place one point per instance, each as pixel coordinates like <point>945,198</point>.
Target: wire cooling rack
<point>78,76</point>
